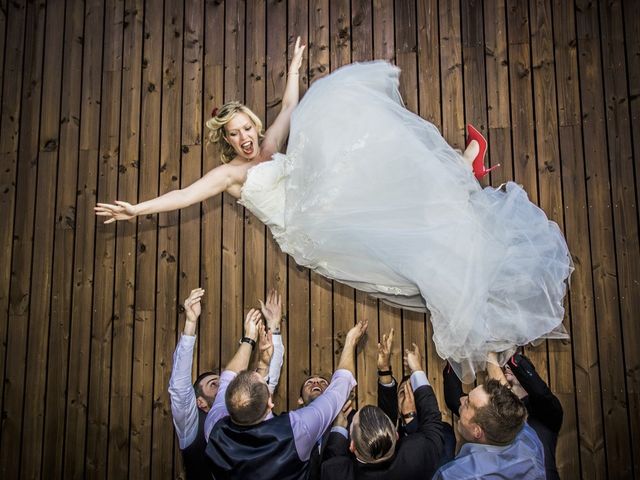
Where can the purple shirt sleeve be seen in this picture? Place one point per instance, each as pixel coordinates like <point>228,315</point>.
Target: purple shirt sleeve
<point>219,407</point>
<point>309,423</point>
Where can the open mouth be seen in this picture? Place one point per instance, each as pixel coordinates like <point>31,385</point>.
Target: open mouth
<point>316,389</point>
<point>247,147</point>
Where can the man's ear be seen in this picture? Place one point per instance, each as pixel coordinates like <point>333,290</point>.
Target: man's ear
<point>270,403</point>
<point>352,447</point>
<point>202,404</point>
<point>478,433</point>
<point>300,401</point>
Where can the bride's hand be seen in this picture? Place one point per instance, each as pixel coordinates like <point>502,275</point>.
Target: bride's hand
<point>296,60</point>
<point>119,211</point>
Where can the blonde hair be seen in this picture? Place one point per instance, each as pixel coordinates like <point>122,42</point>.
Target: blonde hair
<point>223,116</point>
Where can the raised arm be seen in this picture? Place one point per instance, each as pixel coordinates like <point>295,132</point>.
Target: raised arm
<point>272,313</point>
<point>215,181</point>
<point>277,133</point>
<point>183,398</point>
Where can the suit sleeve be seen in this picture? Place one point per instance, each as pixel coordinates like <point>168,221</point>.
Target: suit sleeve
<point>388,399</point>
<point>429,418</point>
<point>336,459</point>
<point>542,403</point>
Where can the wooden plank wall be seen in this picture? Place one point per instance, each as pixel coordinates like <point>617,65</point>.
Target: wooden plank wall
<point>108,99</point>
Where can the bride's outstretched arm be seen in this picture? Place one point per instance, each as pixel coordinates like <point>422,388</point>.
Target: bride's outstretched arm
<point>212,183</point>
<point>277,133</point>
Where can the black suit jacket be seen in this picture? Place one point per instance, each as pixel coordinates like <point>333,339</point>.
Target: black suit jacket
<point>416,456</point>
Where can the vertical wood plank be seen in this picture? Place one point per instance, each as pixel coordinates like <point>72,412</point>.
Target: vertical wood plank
<point>296,331</point>
<point>190,166</point>
<point>366,306</point>
<point>550,188</point>
<point>168,238</point>
<point>584,337</point>
<point>320,297</point>
<point>497,75</point>
<point>254,229</point>
<point>142,403</point>
<point>125,259</point>
<point>384,48</point>
<point>19,325</point>
<point>631,18</point>
<point>10,117</point>
<point>625,215</point>
<point>232,227</point>
<point>42,259</point>
<point>413,330</point>
<point>276,70</point>
<point>340,54</point>
<point>103,318</point>
<point>211,233</point>
<point>523,127</point>
<point>616,431</point>
<point>65,222</point>
<point>451,74</point>
<point>80,354</point>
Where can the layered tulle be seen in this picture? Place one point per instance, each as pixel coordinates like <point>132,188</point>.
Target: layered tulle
<point>371,195</point>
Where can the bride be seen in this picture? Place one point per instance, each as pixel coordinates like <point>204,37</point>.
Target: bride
<point>370,194</point>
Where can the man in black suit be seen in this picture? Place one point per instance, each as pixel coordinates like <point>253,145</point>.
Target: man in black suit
<point>372,448</point>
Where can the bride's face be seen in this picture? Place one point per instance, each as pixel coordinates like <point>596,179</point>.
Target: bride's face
<point>242,135</point>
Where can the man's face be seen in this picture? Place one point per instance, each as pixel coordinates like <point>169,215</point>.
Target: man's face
<point>312,389</point>
<point>467,428</point>
<point>209,386</point>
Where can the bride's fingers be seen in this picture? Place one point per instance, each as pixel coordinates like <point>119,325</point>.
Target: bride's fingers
<point>111,220</point>
<point>103,214</point>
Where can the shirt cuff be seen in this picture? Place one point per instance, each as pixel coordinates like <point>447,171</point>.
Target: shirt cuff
<point>277,339</point>
<point>344,373</point>
<point>342,431</point>
<point>187,340</point>
<point>388,385</point>
<point>419,379</point>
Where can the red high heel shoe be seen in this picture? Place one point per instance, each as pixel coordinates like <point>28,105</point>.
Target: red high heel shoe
<point>479,170</point>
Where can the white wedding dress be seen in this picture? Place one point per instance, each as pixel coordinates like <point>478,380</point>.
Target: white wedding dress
<point>369,194</point>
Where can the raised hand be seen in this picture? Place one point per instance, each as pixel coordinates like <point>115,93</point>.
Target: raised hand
<point>251,322</point>
<point>265,345</point>
<point>272,311</point>
<point>119,211</point>
<point>413,359</point>
<point>192,305</point>
<point>384,351</point>
<point>407,401</point>
<point>296,59</point>
<point>342,420</point>
<point>355,334</point>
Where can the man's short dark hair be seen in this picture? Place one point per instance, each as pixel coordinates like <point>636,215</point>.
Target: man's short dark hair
<point>374,435</point>
<point>503,417</point>
<point>196,385</point>
<point>247,398</point>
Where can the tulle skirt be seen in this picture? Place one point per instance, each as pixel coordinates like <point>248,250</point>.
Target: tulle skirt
<point>375,198</point>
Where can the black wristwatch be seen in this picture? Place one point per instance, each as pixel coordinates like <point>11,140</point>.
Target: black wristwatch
<point>383,373</point>
<point>248,340</point>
